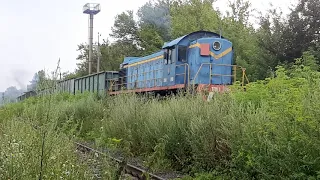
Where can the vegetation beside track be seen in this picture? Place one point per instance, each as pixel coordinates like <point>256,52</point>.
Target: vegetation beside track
<point>32,147</point>
<point>270,131</point>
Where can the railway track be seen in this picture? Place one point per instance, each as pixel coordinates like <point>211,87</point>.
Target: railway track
<point>128,168</point>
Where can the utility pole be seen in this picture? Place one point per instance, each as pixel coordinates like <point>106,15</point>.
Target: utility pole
<point>55,77</point>
<point>58,67</point>
<point>90,42</point>
<point>98,48</point>
<point>91,9</point>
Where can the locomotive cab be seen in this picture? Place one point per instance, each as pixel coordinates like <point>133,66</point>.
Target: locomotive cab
<point>210,61</point>
<point>169,70</point>
<point>200,58</point>
<point>175,68</point>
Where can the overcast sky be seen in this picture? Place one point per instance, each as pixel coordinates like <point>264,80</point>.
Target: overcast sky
<point>34,34</point>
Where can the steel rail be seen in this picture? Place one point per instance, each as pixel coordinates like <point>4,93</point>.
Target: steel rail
<point>133,170</point>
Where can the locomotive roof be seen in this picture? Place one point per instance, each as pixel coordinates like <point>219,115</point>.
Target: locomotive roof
<point>192,36</point>
<point>183,40</point>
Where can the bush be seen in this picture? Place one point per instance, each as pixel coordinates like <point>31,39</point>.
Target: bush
<point>270,131</point>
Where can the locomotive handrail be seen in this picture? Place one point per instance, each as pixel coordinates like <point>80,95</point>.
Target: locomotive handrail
<point>138,82</point>
<point>144,85</point>
<point>244,76</point>
<point>130,83</point>
<point>186,69</point>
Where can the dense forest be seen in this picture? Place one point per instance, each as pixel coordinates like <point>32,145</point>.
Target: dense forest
<point>275,39</point>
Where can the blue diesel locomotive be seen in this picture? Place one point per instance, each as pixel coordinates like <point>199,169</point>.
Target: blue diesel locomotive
<point>199,60</point>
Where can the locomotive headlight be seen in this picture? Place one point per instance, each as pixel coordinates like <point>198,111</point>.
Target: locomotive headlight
<point>216,45</point>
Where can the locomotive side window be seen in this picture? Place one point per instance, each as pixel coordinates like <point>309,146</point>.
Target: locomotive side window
<point>169,56</point>
<point>166,56</point>
<point>182,53</point>
<point>173,55</point>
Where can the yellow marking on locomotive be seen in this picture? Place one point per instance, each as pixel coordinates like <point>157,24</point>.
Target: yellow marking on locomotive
<point>227,51</point>
<point>216,56</point>
<point>195,45</point>
<point>144,61</point>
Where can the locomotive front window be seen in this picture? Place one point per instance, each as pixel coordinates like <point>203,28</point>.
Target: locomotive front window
<point>182,53</point>
<point>216,45</point>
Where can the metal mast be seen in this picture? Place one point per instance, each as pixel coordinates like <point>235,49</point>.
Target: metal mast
<point>91,9</point>
<point>98,49</point>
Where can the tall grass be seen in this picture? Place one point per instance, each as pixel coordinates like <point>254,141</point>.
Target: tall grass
<point>29,150</point>
<point>271,131</point>
<point>33,145</point>
<point>230,136</point>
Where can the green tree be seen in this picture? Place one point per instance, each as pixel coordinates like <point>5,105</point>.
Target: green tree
<point>270,38</point>
<point>277,41</point>
<point>193,15</point>
<point>125,28</point>
<point>284,40</point>
<point>112,55</point>
<point>304,27</point>
<point>149,39</point>
<point>240,11</point>
<point>83,58</point>
<point>240,32</point>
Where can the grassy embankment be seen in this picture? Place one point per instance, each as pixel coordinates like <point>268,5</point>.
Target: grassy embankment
<point>271,131</point>
<point>33,147</point>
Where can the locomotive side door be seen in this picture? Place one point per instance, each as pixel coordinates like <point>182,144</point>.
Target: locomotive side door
<point>169,67</point>
<point>182,68</point>
<point>193,65</point>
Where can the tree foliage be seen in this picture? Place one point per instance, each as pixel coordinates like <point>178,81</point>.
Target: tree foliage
<point>194,15</point>
<point>288,38</point>
<point>278,40</point>
<point>125,28</point>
